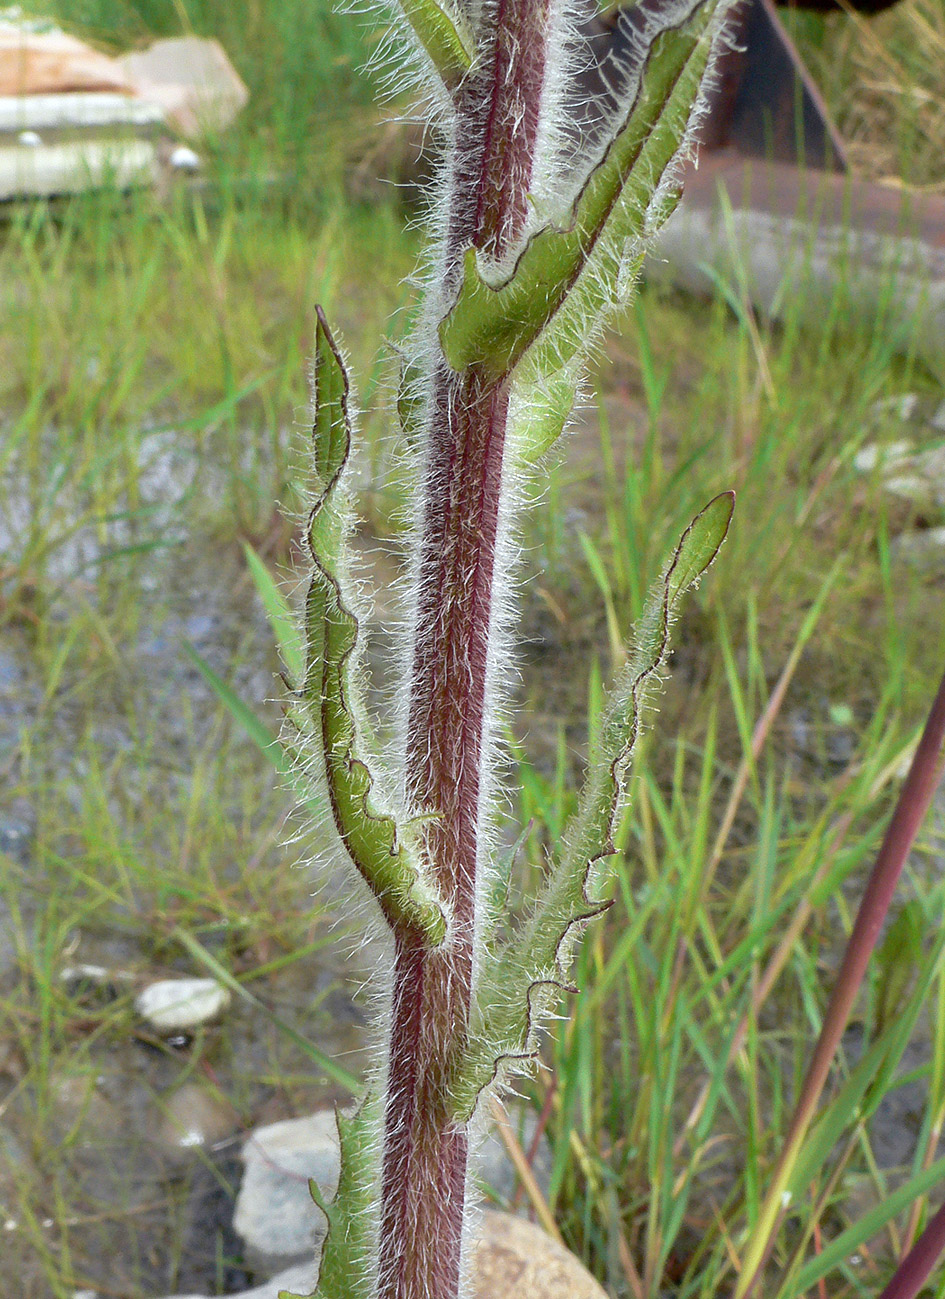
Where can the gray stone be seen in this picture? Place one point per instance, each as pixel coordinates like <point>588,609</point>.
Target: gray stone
<point>780,259</point>
<point>923,550</point>
<point>178,1005</point>
<point>913,473</point>
<point>275,1214</point>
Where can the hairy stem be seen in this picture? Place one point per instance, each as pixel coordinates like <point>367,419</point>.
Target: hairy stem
<point>425,1152</point>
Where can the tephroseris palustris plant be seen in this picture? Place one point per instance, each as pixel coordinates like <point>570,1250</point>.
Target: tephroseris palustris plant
<point>537,239</point>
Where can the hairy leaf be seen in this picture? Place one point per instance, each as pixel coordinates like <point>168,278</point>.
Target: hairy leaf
<point>444,34</point>
<point>345,1269</point>
<point>518,980</point>
<point>494,324</point>
<point>386,854</point>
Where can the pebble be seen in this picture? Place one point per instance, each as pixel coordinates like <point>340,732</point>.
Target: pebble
<point>176,1005</point>
<point>193,1119</point>
<point>184,159</point>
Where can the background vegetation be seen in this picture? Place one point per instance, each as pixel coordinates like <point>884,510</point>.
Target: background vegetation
<point>152,388</point>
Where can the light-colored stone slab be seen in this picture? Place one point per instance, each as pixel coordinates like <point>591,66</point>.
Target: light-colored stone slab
<point>192,79</point>
<point>70,112</point>
<point>38,171</point>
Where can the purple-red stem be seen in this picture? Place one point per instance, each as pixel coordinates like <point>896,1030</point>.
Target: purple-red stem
<point>911,807</point>
<point>913,1272</point>
<point>425,1152</point>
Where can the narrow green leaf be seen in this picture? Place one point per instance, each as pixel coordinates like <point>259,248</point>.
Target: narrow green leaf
<point>445,36</point>
<point>324,1062</point>
<point>868,1082</point>
<point>520,979</point>
<point>834,1252</point>
<point>257,731</point>
<point>281,619</point>
<point>386,854</point>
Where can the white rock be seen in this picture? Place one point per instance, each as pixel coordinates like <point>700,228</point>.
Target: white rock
<point>176,1005</point>
<point>183,158</point>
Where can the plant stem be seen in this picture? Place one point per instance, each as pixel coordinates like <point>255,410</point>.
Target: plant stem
<point>913,1272</point>
<point>911,807</point>
<point>425,1151</point>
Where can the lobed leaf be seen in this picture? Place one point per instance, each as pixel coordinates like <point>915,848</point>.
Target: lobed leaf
<point>544,413</point>
<point>444,35</point>
<point>345,1269</point>
<point>387,855</point>
<point>519,979</point>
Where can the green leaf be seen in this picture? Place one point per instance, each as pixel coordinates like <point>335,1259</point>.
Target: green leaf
<point>869,1081</point>
<point>257,731</point>
<point>281,619</point>
<point>836,1251</point>
<point>545,412</point>
<point>493,324</point>
<point>519,980</point>
<point>346,1267</point>
<point>386,854</point>
<point>445,36</point>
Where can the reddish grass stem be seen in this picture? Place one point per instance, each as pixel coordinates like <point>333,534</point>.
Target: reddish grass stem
<point>911,808</point>
<point>913,1271</point>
